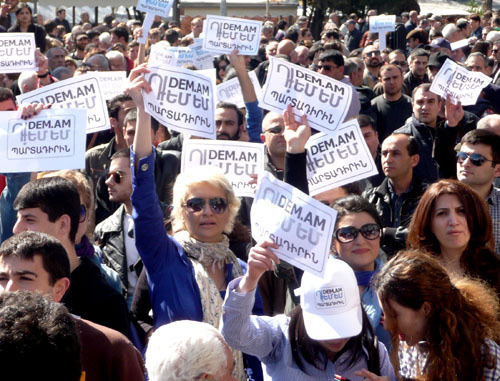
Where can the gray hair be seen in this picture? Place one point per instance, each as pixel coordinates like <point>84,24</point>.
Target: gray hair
<point>449,30</point>
<point>116,54</point>
<point>28,78</point>
<point>185,350</point>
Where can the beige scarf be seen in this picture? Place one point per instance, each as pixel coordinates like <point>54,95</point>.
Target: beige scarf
<point>202,256</point>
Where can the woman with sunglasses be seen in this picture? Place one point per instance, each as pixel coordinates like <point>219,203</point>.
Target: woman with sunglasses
<point>187,273</point>
<point>443,330</point>
<point>357,237</point>
<point>453,223</point>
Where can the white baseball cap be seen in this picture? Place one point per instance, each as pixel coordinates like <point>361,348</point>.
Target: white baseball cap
<point>331,305</point>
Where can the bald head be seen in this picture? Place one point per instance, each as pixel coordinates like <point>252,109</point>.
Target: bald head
<point>287,47</point>
<point>490,123</point>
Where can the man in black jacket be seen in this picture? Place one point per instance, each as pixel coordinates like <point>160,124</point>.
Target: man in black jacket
<point>398,195</point>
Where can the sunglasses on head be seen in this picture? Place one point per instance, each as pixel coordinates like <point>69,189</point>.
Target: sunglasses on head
<point>197,204</point>
<point>349,233</point>
<point>475,158</point>
<point>275,130</point>
<point>116,175</point>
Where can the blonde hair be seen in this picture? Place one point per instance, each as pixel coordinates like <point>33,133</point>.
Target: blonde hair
<point>197,177</point>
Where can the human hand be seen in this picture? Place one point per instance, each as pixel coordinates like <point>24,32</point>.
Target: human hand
<point>42,62</point>
<point>296,134</point>
<point>237,61</point>
<point>136,83</point>
<point>370,376</point>
<point>453,112</point>
<point>28,111</point>
<point>260,259</point>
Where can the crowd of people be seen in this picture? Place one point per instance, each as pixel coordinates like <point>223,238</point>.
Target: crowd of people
<point>130,268</point>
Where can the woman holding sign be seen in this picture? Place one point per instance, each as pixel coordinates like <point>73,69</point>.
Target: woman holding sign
<point>187,273</point>
<point>24,23</point>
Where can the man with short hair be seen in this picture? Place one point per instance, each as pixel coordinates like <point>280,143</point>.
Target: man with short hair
<point>229,121</point>
<point>392,108</point>
<point>398,195</point>
<point>61,19</point>
<point>273,128</point>
<point>353,36</point>
<point>354,68</point>
<point>81,41</point>
<point>52,205</point>
<point>416,39</point>
<point>35,261</point>
<point>56,57</point>
<point>478,164</point>
<point>331,64</point>
<point>412,21</point>
<point>196,27</point>
<point>120,35</point>
<point>417,74</point>
<point>397,57</point>
<point>172,36</point>
<point>117,61</point>
<point>369,131</point>
<point>373,61</point>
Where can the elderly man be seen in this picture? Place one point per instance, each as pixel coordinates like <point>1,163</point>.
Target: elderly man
<point>56,57</point>
<point>117,61</point>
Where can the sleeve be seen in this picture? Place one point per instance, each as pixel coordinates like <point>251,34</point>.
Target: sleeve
<point>127,362</point>
<point>254,121</point>
<point>258,336</point>
<point>386,368</point>
<point>295,171</point>
<point>14,183</point>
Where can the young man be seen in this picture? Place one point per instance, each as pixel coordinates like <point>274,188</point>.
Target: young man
<point>35,261</point>
<point>417,74</point>
<point>52,205</point>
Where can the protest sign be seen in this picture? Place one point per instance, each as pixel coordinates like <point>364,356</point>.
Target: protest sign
<point>459,44</point>
<point>182,100</point>
<point>230,91</point>
<point>156,7</point>
<point>301,226</point>
<point>55,139</point>
<point>458,82</point>
<point>338,159</point>
<point>113,83</point>
<point>382,25</point>
<point>324,100</point>
<point>17,52</point>
<point>237,160</point>
<point>225,34</point>
<point>82,92</point>
<point>146,27</point>
<point>161,54</point>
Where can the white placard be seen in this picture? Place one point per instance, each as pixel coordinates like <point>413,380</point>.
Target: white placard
<point>113,83</point>
<point>230,91</point>
<point>459,44</point>
<point>180,55</point>
<point>238,160</point>
<point>301,226</point>
<point>382,25</point>
<point>146,27</point>
<point>225,34</point>
<point>461,84</point>
<point>338,159</point>
<point>182,100</point>
<point>82,92</point>
<point>324,100</point>
<point>17,52</point>
<point>53,140</point>
<point>156,7</point>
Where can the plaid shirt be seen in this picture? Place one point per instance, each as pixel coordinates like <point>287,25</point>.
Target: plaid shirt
<point>493,201</point>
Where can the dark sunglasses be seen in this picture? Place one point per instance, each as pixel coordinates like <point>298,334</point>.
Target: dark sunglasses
<point>197,204</point>
<point>326,67</point>
<point>475,158</point>
<point>349,233</point>
<point>116,175</point>
<point>275,130</point>
<point>83,213</point>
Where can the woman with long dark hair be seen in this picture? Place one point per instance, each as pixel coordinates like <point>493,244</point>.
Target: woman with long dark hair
<point>443,330</point>
<point>24,23</point>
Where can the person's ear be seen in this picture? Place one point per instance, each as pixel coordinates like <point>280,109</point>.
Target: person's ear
<point>496,173</point>
<point>414,160</point>
<point>60,288</point>
<point>426,308</point>
<point>64,225</point>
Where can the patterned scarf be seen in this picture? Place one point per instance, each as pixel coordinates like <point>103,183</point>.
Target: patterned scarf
<point>203,255</point>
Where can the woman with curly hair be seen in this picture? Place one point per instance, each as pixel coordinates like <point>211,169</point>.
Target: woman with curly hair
<point>444,330</point>
<point>453,223</point>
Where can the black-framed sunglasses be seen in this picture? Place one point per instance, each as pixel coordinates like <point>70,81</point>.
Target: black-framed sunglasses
<point>83,213</point>
<point>197,204</point>
<point>349,233</point>
<point>475,158</point>
<point>327,67</point>
<point>275,130</point>
<point>116,175</point>
<point>373,53</point>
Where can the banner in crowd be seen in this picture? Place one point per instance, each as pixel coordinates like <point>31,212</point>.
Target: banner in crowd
<point>53,140</point>
<point>179,55</point>
<point>300,225</point>
<point>225,34</point>
<point>82,92</point>
<point>182,100</point>
<point>337,159</point>
<point>17,52</point>
<point>230,91</point>
<point>237,160</point>
<point>461,84</point>
<point>324,100</point>
<point>382,25</point>
<point>113,83</point>
<point>156,7</point>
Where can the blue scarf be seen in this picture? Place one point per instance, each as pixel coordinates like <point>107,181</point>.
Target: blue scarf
<point>364,277</point>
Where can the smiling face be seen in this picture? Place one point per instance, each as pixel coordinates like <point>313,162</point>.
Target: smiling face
<point>449,223</point>
<point>205,225</point>
<point>361,253</point>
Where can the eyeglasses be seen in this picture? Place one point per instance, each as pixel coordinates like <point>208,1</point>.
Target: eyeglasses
<point>327,67</point>
<point>373,53</point>
<point>197,204</point>
<point>275,130</point>
<point>116,175</point>
<point>399,63</point>
<point>83,213</point>
<point>475,158</point>
<point>349,233</point>
<point>494,50</point>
